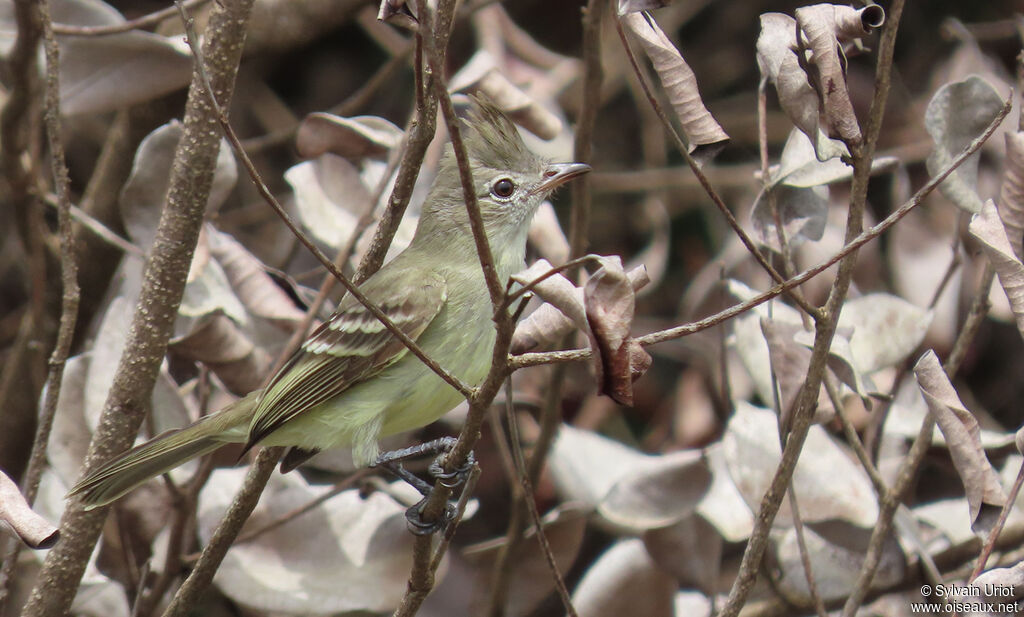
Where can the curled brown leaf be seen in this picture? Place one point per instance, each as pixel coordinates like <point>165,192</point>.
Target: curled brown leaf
<point>549,323</point>
<point>820,25</point>
<point>1011,195</point>
<point>960,428</point>
<point>618,359</point>
<point>987,227</point>
<point>779,64</point>
<point>18,517</point>
<point>705,136</point>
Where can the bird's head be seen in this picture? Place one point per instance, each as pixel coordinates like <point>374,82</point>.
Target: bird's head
<point>510,181</point>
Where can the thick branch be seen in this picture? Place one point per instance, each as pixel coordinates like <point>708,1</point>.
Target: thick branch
<point>163,285</point>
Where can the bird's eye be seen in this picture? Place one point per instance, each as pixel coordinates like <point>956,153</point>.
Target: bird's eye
<point>503,188</point>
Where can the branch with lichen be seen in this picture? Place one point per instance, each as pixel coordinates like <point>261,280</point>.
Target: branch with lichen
<point>163,285</point>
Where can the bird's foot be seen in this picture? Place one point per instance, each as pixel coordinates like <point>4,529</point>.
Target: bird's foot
<point>392,461</point>
<point>420,526</point>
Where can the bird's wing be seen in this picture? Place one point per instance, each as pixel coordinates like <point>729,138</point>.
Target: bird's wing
<point>350,347</point>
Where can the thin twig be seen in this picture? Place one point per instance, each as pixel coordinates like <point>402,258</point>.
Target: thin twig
<point>512,296</point>
<point>593,76</point>
<point>420,133</point>
<point>437,25</point>
<point>337,489</point>
<point>531,504</point>
<point>803,407</point>
<point>993,534</point>
<point>551,416</point>
<point>798,523</point>
<point>460,511</point>
<point>476,221</point>
<point>184,515</point>
<point>146,21</point>
<point>805,555</point>
<point>502,568</point>
<point>533,359</point>
<point>853,440</point>
<point>69,269</point>
<point>342,258</point>
<point>70,296</point>
<point>97,227</point>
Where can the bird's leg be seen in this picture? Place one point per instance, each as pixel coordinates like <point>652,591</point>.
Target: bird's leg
<point>392,461</point>
<point>438,447</point>
<point>402,473</point>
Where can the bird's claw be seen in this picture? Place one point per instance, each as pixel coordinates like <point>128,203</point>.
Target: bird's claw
<point>453,478</point>
<point>420,527</point>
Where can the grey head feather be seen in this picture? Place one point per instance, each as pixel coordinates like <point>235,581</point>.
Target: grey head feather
<point>493,140</point>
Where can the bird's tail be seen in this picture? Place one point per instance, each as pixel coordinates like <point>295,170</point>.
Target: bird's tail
<point>163,453</point>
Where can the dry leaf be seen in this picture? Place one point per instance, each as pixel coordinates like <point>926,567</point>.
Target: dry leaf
<point>955,116</point>
<point>530,580</point>
<point>665,490</point>
<point>802,211</point>
<point>820,26</point>
<point>963,436</point>
<point>691,550</point>
<point>916,247</point>
<point>481,75</point>
<point>218,342</point>
<point>778,62</point>
<point>789,361</point>
<point>885,330</point>
<point>828,485</point>
<point>1000,579</point>
<point>563,309</point>
<point>747,339</point>
<point>703,134</point>
<point>1011,196</point>
<point>723,505</point>
<point>987,227</point>
<point>815,99</point>
<point>836,551</point>
<point>360,539</point>
<point>105,73</point>
<point>797,185</point>
<point>19,518</point>
<point>798,166</point>
<point>625,581</point>
<point>618,358</point>
<point>630,492</point>
<point>351,138</point>
<point>653,258</point>
<point>144,194</point>
<point>397,13</point>
<point>255,288</point>
<point>330,197</point>
<point>635,6</point>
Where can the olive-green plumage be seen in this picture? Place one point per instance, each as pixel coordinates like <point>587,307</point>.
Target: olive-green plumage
<point>353,381</point>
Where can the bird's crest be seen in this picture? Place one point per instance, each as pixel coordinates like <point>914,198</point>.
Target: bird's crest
<point>493,140</point>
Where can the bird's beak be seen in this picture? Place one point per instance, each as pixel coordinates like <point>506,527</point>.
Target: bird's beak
<point>558,174</point>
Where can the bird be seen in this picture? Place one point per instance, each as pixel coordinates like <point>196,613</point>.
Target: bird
<point>353,381</point>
